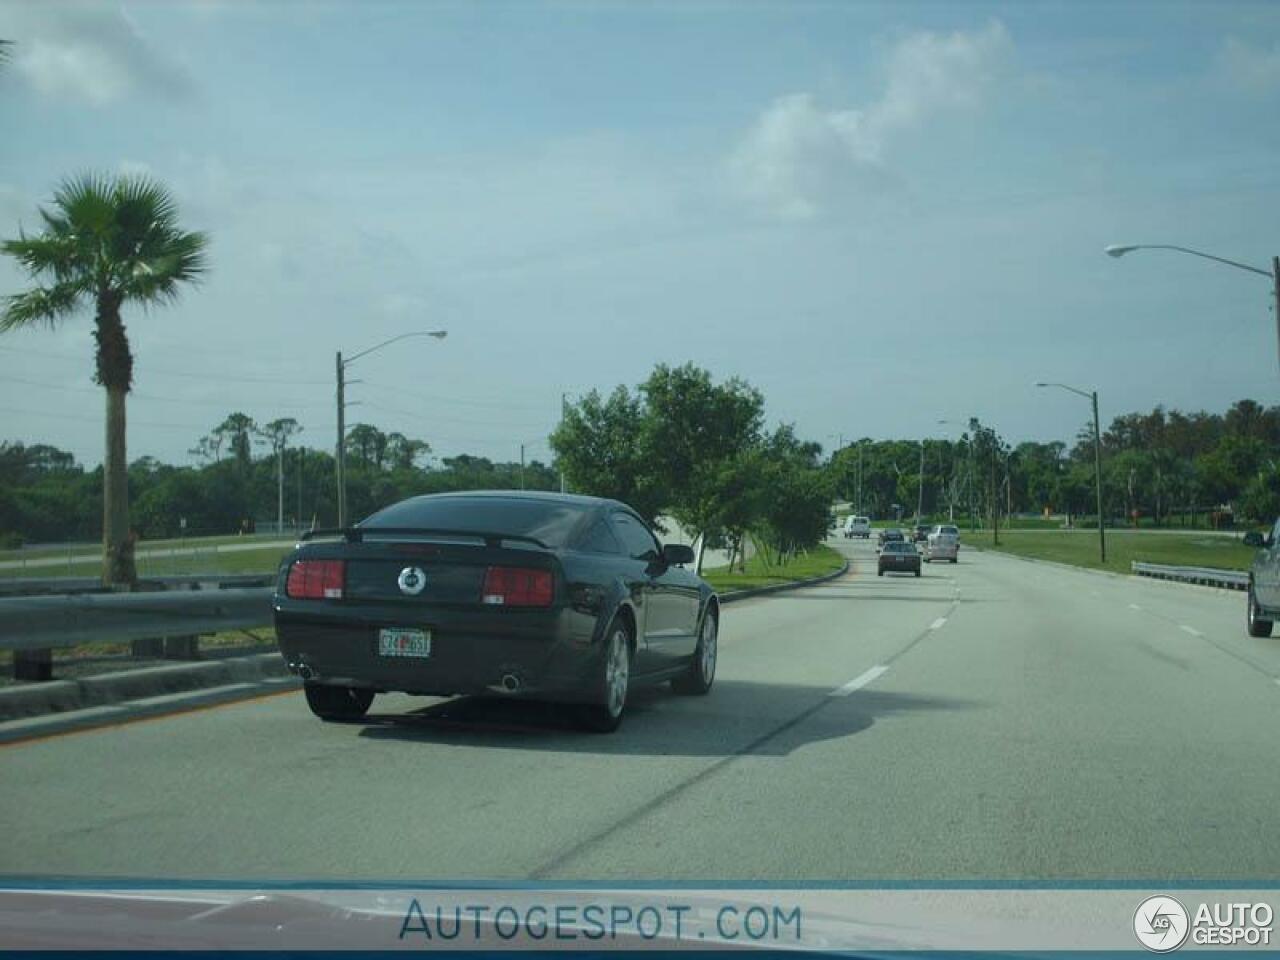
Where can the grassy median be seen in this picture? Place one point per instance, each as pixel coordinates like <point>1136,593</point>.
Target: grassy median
<point>814,563</point>
<point>1080,548</point>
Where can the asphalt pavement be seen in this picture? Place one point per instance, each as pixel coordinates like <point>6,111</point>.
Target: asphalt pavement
<point>992,720</point>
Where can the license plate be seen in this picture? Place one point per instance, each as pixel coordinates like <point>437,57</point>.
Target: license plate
<point>401,642</point>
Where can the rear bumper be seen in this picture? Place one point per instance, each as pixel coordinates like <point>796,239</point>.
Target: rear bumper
<point>906,566</point>
<point>943,552</point>
<point>545,652</point>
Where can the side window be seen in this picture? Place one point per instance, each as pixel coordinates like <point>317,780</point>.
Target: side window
<point>600,539</point>
<point>636,540</point>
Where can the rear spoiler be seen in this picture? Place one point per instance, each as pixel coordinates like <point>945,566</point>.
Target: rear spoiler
<point>357,534</point>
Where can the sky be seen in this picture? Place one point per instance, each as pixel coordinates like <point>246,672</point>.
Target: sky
<point>881,215</point>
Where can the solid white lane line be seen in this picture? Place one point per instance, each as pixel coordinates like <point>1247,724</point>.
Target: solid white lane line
<point>1134,606</point>
<point>860,681</point>
<point>937,623</point>
<point>1191,630</point>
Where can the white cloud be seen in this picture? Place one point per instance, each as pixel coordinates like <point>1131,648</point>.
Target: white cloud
<point>798,153</point>
<point>94,54</point>
<point>1252,68</point>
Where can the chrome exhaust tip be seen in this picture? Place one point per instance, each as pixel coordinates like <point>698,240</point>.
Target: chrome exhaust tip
<point>510,682</point>
<point>305,672</point>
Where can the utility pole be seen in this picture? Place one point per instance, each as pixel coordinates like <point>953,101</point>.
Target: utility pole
<point>340,451</point>
<point>280,488</point>
<point>522,466</point>
<point>860,513</point>
<point>563,407</point>
<point>298,518</point>
<point>995,498</point>
<point>920,491</point>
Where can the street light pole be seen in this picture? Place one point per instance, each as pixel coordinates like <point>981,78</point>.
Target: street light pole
<point>340,453</point>
<point>1092,397</point>
<point>1097,477</point>
<point>1119,250</point>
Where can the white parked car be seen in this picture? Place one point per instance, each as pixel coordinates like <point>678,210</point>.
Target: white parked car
<point>943,543</point>
<point>857,527</point>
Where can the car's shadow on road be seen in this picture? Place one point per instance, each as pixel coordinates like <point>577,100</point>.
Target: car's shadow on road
<point>738,717</point>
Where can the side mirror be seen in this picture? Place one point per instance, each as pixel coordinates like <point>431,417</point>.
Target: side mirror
<point>675,554</point>
<point>1254,539</point>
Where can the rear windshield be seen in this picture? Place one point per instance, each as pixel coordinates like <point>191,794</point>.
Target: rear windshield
<point>897,548</point>
<point>547,520</point>
<point>951,530</point>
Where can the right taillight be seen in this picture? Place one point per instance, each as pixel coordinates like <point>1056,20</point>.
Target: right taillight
<point>316,580</point>
<point>517,587</point>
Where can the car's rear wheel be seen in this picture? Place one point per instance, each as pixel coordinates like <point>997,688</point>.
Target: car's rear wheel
<point>605,715</point>
<point>702,668</point>
<point>917,571</point>
<point>337,703</point>
<point>1258,627</point>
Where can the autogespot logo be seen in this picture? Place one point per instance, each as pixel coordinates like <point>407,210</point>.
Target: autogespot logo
<point>1161,924</point>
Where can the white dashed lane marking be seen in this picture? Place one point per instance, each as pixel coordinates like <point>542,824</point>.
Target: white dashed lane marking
<point>860,681</point>
<point>1191,630</point>
<point>937,623</point>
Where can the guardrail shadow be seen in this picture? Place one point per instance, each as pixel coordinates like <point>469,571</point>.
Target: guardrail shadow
<point>737,717</point>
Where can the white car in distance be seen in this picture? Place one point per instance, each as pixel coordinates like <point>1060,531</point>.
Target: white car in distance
<point>857,527</point>
<point>943,543</point>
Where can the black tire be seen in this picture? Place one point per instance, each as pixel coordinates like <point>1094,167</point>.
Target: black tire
<point>955,560</point>
<point>702,668</point>
<point>604,715</point>
<point>917,572</point>
<point>1258,627</point>
<point>879,573</point>
<point>336,704</point>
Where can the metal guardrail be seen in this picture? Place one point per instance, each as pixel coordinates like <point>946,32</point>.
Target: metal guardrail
<point>42,623</point>
<point>1205,576</point>
<point>44,586</point>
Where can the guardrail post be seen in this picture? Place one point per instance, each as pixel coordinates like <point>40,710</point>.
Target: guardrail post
<point>33,665</point>
<point>182,648</point>
<point>151,648</point>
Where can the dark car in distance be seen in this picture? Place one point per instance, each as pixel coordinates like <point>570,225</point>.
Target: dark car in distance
<point>494,593</point>
<point>898,556</point>
<point>921,533</point>
<point>890,535</point>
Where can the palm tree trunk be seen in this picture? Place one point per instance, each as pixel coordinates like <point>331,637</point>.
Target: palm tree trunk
<point>115,372</point>
<point>117,543</point>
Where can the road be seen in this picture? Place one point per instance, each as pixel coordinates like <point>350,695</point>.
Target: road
<point>992,720</point>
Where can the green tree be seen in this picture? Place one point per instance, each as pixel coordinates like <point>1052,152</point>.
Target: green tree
<point>238,432</point>
<point>600,445</point>
<point>404,453</point>
<point>693,427</point>
<point>109,242</point>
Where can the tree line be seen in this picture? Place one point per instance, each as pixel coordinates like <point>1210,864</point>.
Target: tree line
<point>46,496</point>
<point>1161,468</point>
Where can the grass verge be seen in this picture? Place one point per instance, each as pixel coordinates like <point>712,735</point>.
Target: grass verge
<point>815,563</point>
<point>1080,548</point>
<point>195,560</point>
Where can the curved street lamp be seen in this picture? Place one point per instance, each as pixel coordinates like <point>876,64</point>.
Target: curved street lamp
<point>340,454</point>
<point>1097,459</point>
<point>1119,250</point>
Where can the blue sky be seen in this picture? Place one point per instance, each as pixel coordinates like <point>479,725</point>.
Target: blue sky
<point>880,214</point>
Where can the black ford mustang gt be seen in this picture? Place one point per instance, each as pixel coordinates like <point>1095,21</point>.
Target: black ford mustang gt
<point>506,593</point>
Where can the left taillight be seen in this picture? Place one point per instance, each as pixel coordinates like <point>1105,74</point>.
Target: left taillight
<point>316,580</point>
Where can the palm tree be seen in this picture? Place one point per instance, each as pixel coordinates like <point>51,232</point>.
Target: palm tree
<point>108,241</point>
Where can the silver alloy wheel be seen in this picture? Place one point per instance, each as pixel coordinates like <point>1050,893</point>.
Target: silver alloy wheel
<point>617,673</point>
<point>708,649</point>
